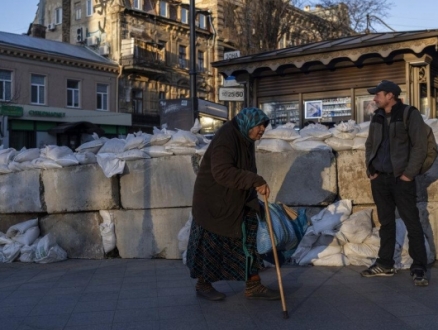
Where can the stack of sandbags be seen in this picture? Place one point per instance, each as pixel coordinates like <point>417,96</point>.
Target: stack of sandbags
<point>343,136</point>
<point>312,137</point>
<point>278,139</point>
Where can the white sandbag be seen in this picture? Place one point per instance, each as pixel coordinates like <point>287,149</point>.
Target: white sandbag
<point>55,152</point>
<point>357,261</point>
<point>107,230</point>
<point>180,150</point>
<point>358,226</point>
<point>10,252</point>
<point>7,155</point>
<point>27,155</point>
<point>332,216</point>
<point>325,245</point>
<point>20,228</point>
<point>282,133</point>
<point>307,144</point>
<point>14,167</point>
<point>4,169</point>
<point>183,138</point>
<point>5,239</point>
<point>347,127</point>
<point>184,234</point>
<point>27,253</point>
<point>433,123</point>
<point>114,146</point>
<point>344,135</point>
<point>134,154</point>
<point>67,160</point>
<point>334,260</point>
<point>359,143</point>
<point>316,131</point>
<point>47,250</point>
<point>91,146</point>
<point>156,151</point>
<point>86,157</point>
<point>45,163</point>
<point>27,165</point>
<point>137,141</point>
<point>338,144</point>
<point>196,127</point>
<point>28,237</point>
<point>274,145</point>
<point>305,244</point>
<point>364,129</point>
<point>160,138</point>
<point>361,251</point>
<point>110,164</point>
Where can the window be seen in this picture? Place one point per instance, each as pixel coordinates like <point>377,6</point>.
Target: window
<point>163,9</point>
<point>137,100</point>
<point>184,16</point>
<point>161,95</point>
<point>202,21</point>
<point>89,8</point>
<point>102,97</point>
<point>73,93</point>
<point>182,56</point>
<point>5,85</point>
<point>201,67</point>
<point>58,15</point>
<point>37,88</point>
<point>137,4</point>
<point>78,11</point>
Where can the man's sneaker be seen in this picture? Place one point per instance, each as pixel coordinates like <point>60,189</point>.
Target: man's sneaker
<point>419,277</point>
<point>376,270</point>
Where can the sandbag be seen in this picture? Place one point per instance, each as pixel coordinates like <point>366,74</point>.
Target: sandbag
<point>110,164</point>
<point>27,155</point>
<point>107,231</point>
<point>332,216</point>
<point>47,250</point>
<point>10,252</point>
<point>358,226</point>
<point>274,145</point>
<point>114,146</point>
<point>86,157</point>
<point>334,260</point>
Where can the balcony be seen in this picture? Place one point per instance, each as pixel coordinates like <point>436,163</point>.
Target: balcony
<point>144,62</point>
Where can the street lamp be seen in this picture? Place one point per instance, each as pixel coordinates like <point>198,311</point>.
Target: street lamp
<point>192,71</point>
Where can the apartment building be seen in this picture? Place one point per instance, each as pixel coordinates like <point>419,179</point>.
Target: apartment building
<point>55,93</point>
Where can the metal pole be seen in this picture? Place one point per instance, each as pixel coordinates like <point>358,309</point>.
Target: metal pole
<point>192,71</point>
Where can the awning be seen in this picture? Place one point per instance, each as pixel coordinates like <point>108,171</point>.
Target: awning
<point>77,127</point>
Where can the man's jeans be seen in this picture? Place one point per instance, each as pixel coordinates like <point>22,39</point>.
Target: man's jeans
<point>388,193</point>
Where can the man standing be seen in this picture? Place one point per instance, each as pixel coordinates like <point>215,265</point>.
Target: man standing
<point>393,160</point>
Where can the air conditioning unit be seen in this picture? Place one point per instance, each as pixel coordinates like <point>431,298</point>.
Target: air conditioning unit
<point>51,27</point>
<point>104,50</point>
<point>92,41</point>
<point>79,35</point>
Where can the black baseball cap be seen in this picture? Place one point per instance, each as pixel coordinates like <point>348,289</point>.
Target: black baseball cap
<point>385,86</point>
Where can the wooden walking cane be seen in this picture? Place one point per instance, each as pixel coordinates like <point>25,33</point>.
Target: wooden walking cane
<point>274,250</point>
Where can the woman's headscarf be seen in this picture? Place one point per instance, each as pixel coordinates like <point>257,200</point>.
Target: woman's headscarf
<point>248,118</point>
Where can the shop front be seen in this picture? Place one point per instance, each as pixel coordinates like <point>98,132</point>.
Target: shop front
<point>33,127</point>
<point>327,82</point>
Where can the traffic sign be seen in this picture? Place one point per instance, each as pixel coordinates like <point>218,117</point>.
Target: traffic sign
<point>231,94</point>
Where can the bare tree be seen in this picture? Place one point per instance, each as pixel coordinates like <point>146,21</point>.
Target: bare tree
<point>263,25</point>
<point>361,13</point>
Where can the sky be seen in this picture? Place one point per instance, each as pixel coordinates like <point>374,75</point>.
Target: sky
<point>16,15</point>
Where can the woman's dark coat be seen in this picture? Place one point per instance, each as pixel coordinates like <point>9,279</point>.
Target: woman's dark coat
<point>224,186</point>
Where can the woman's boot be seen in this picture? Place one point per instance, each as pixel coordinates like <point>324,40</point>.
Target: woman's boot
<point>255,290</point>
<point>205,290</point>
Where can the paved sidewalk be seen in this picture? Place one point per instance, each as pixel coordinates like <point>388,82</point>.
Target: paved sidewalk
<point>159,294</point>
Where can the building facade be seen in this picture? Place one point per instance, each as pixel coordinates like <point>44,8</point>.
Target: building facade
<point>150,40</point>
<point>45,84</point>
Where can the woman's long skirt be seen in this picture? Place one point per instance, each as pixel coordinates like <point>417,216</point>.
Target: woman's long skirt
<point>215,258</point>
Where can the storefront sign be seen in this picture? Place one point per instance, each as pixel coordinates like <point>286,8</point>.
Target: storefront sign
<point>11,111</point>
<point>46,114</point>
<point>231,94</point>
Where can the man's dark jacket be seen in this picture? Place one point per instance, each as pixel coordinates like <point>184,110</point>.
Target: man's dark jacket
<point>225,182</point>
<point>407,152</point>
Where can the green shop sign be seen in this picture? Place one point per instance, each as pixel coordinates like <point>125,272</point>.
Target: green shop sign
<point>11,111</point>
<point>46,114</point>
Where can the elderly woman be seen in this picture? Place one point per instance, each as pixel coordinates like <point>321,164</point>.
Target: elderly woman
<point>222,243</point>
